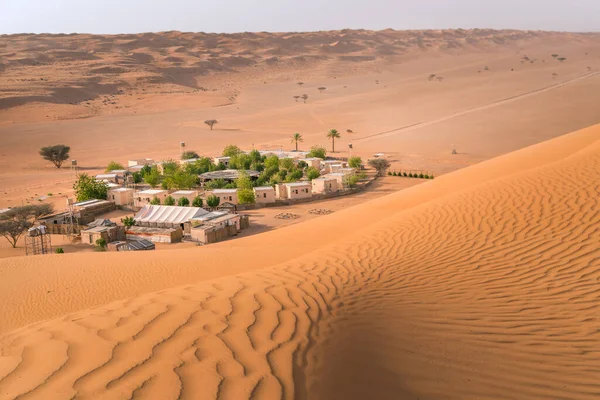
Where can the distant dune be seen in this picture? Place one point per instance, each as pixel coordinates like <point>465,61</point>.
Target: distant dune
<point>483,283</point>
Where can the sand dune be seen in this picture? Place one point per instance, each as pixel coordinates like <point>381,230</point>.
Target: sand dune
<point>481,284</point>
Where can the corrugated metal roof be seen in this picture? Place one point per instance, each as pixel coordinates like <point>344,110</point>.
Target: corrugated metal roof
<point>168,214</point>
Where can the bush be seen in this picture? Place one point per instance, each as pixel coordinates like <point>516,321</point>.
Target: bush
<point>137,177</point>
<point>213,201</point>
<point>312,173</point>
<point>421,175</point>
<point>410,175</point>
<point>355,162</point>
<point>59,250</point>
<point>56,154</point>
<point>294,176</point>
<point>431,177</point>
<point>215,184</point>
<point>169,201</point>
<point>188,155</point>
<point>302,165</point>
<point>317,151</point>
<point>197,202</point>
<point>426,176</point>
<point>152,178</point>
<point>231,150</point>
<point>390,173</point>
<point>113,165</point>
<point>87,188</point>
<point>101,244</point>
<point>395,174</point>
<point>128,221</point>
<point>246,196</point>
<point>243,181</point>
<point>352,180</point>
<point>380,164</point>
<point>155,201</point>
<point>405,174</point>
<point>183,202</point>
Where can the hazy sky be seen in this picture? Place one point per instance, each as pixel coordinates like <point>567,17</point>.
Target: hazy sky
<point>129,16</point>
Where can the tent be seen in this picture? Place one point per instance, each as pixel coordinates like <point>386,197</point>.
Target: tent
<point>167,216</point>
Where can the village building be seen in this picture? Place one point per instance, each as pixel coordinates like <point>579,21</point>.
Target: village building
<point>188,194</point>
<point>216,226</point>
<point>110,177</point>
<point>121,196</point>
<point>284,154</point>
<point>155,235</point>
<point>226,195</point>
<point>324,185</point>
<point>228,175</point>
<point>101,229</point>
<point>341,177</point>
<point>174,217</point>
<point>134,245</point>
<point>144,197</point>
<point>298,190</point>
<point>330,166</point>
<point>264,194</point>
<point>140,162</point>
<point>313,162</point>
<point>188,161</point>
<point>222,160</point>
<point>135,168</point>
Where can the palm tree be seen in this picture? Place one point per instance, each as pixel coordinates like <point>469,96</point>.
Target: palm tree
<point>333,134</point>
<point>297,138</point>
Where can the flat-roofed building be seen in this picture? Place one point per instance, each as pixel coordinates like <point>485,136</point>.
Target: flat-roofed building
<point>144,197</point>
<point>226,195</point>
<point>121,196</point>
<point>324,185</point>
<point>298,190</point>
<point>264,194</point>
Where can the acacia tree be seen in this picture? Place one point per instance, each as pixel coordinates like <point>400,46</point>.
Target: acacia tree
<point>15,221</point>
<point>113,165</point>
<point>380,164</point>
<point>297,138</point>
<point>296,98</point>
<point>212,201</point>
<point>304,97</point>
<point>554,56</point>
<point>56,154</point>
<point>190,154</point>
<point>300,83</point>
<point>211,123</point>
<point>321,89</point>
<point>333,134</point>
<point>562,59</point>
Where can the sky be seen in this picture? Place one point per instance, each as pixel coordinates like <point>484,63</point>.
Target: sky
<point>133,16</point>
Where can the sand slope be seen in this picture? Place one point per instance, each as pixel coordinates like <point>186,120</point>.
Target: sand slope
<point>482,284</point>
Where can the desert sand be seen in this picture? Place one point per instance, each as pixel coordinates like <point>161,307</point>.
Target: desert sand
<point>131,96</point>
<point>480,284</point>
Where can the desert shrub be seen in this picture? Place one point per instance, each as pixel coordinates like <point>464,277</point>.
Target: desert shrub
<point>169,201</point>
<point>426,176</point>
<point>405,174</point>
<point>155,201</point>
<point>352,180</point>
<point>101,244</point>
<point>395,174</point>
<point>312,173</point>
<point>212,201</point>
<point>59,250</point>
<point>380,164</point>
<point>421,175</point>
<point>355,162</point>
<point>113,165</point>
<point>317,151</point>
<point>431,177</point>
<point>390,173</point>
<point>183,202</point>
<point>190,154</point>
<point>410,175</point>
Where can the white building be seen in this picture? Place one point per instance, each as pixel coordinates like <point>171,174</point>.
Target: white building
<point>298,190</point>
<point>140,161</point>
<point>226,195</point>
<point>222,160</point>
<point>314,162</point>
<point>324,185</point>
<point>121,196</point>
<point>144,197</point>
<point>188,194</point>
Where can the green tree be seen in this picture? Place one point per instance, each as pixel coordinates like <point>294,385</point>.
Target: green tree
<point>215,184</point>
<point>181,180</point>
<point>197,201</point>
<point>183,202</point>
<point>56,154</point>
<point>297,138</point>
<point>128,221</point>
<point>88,188</point>
<point>240,161</point>
<point>169,201</point>
<point>294,176</point>
<point>231,150</point>
<point>101,244</point>
<point>170,167</point>
<point>317,151</point>
<point>333,134</point>
<point>15,221</point>
<point>380,164</point>
<point>137,177</point>
<point>188,155</point>
<point>302,165</point>
<point>272,161</point>
<point>312,173</point>
<point>113,166</point>
<point>145,170</point>
<point>153,177</point>
<point>243,181</point>
<point>355,162</point>
<point>351,181</point>
<point>246,196</point>
<point>155,201</point>
<point>212,201</point>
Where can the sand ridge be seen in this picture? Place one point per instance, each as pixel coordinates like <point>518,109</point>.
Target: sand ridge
<point>489,290</point>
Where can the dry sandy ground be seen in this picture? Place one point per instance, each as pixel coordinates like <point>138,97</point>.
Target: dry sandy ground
<point>377,86</point>
<point>480,284</point>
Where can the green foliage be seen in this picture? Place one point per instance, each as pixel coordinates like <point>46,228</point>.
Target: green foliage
<point>317,151</point>
<point>211,123</point>
<point>231,150</point>
<point>56,154</point>
<point>128,222</point>
<point>200,166</point>
<point>405,174</point>
<point>294,176</point>
<point>431,177</point>
<point>183,202</point>
<point>243,181</point>
<point>246,196</point>
<point>389,173</point>
<point>155,201</point>
<point>355,162</point>
<point>352,180</point>
<point>59,250</point>
<point>215,184</point>
<point>197,202</point>
<point>169,201</point>
<point>302,165</point>
<point>145,170</point>
<point>188,155</point>
<point>380,164</point>
<point>137,177</point>
<point>16,220</point>
<point>271,162</point>
<point>312,173</point>
<point>213,201</point>
<point>421,176</point>
<point>410,175</point>
<point>297,138</point>
<point>152,178</point>
<point>426,176</point>
<point>101,244</point>
<point>256,157</point>
<point>240,161</point>
<point>181,180</point>
<point>282,174</point>
<point>287,163</point>
<point>87,188</point>
<point>113,166</point>
<point>170,167</point>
